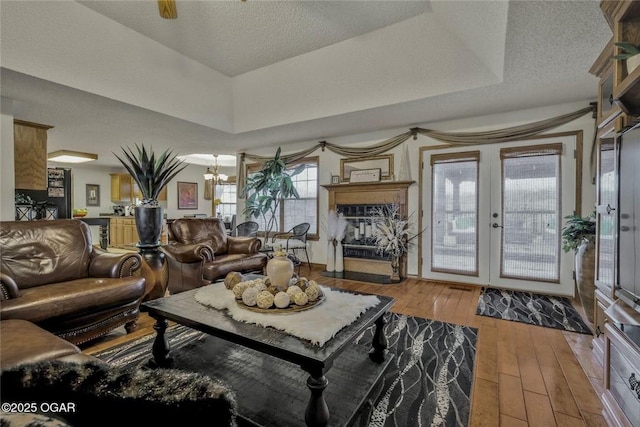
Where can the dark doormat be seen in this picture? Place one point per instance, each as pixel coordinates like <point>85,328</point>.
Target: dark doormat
<point>428,382</point>
<point>526,307</point>
<point>361,277</point>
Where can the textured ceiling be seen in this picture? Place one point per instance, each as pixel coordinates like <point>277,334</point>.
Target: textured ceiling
<point>309,71</point>
<point>234,37</point>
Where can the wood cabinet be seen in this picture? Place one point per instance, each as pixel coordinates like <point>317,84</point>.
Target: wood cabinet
<point>621,397</point>
<point>124,189</point>
<point>123,232</point>
<point>30,155</point>
<point>617,340</point>
<point>624,19</point>
<point>355,201</point>
<point>603,68</point>
<point>121,188</point>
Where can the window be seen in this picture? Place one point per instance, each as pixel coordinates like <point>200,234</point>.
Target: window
<point>226,192</point>
<point>294,211</point>
<point>455,212</point>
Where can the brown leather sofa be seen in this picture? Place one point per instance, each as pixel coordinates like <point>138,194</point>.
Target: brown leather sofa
<point>24,342</point>
<point>200,252</point>
<point>54,277</point>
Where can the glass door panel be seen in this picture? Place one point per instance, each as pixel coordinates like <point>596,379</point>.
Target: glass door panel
<point>531,217</point>
<point>454,201</point>
<point>605,215</point>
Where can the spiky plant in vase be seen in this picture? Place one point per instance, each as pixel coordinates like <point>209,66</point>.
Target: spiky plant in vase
<point>152,174</point>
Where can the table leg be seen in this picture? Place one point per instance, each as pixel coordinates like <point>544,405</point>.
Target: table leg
<point>379,342</point>
<point>161,348</point>
<point>317,412</point>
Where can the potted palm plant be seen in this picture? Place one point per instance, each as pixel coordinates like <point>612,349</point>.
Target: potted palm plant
<point>265,190</point>
<point>579,235</point>
<point>152,174</point>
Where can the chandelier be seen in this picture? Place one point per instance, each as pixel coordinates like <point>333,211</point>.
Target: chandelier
<point>212,178</point>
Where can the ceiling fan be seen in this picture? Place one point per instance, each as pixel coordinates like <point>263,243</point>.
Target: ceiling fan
<point>168,9</point>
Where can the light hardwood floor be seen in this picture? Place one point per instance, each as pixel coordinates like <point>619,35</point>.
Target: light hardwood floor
<point>524,375</point>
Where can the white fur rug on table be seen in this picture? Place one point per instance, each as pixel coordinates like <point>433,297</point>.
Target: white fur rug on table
<point>318,324</point>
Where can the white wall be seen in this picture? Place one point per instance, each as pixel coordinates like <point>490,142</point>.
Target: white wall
<point>7,177</point>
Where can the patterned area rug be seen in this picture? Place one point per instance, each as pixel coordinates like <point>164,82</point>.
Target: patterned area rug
<point>428,383</point>
<point>525,307</point>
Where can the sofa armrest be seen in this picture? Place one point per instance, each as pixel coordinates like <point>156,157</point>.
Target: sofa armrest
<point>105,264</point>
<point>8,287</point>
<point>189,253</point>
<point>243,245</point>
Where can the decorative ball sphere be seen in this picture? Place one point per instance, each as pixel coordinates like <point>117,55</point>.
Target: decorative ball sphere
<point>232,279</point>
<point>265,299</point>
<point>239,289</point>
<point>273,289</point>
<point>300,298</point>
<point>302,283</point>
<point>291,290</point>
<point>282,300</point>
<point>313,292</point>
<point>260,286</point>
<point>250,296</point>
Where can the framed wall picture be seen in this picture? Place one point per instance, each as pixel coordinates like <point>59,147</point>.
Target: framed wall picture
<point>93,194</point>
<point>383,162</point>
<point>187,195</point>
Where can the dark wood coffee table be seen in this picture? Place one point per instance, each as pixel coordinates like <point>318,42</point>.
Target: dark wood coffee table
<point>352,373</point>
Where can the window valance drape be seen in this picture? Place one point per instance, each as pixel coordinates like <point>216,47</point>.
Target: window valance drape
<point>453,138</point>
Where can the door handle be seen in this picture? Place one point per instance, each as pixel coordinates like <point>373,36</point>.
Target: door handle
<point>609,209</point>
<point>495,225</point>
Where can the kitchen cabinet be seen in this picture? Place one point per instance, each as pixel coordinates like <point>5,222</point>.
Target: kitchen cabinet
<point>124,190</point>
<point>30,155</point>
<point>122,232</point>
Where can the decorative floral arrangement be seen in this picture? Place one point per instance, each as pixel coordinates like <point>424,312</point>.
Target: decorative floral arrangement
<point>392,230</point>
<point>336,226</point>
<point>216,202</point>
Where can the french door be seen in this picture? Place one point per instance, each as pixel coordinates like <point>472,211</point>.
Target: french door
<point>494,214</point>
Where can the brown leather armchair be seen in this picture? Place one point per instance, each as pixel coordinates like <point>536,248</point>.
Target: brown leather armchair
<point>54,277</point>
<point>200,252</point>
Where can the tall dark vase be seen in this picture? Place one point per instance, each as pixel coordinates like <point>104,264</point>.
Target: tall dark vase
<point>154,269</point>
<point>149,225</point>
<point>585,277</point>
